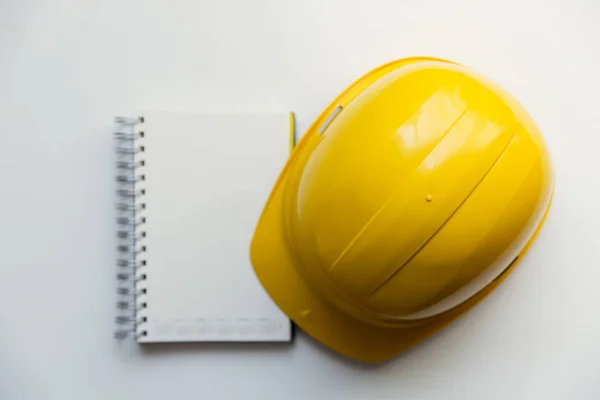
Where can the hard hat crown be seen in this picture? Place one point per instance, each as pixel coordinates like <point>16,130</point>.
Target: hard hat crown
<point>390,171</point>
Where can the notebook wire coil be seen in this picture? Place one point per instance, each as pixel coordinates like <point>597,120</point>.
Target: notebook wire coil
<point>131,221</point>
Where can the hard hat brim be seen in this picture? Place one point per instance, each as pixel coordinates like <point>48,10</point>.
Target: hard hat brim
<point>275,266</point>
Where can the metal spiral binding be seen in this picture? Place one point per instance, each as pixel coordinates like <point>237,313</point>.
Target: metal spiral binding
<point>131,262</point>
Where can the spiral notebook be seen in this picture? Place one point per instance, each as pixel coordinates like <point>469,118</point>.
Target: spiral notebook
<point>191,188</point>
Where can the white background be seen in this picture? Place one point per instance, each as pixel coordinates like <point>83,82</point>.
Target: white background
<point>68,66</point>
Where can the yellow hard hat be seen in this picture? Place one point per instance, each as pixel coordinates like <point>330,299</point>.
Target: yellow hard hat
<point>406,202</point>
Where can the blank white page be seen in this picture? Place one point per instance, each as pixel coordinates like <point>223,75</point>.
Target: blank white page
<point>207,178</point>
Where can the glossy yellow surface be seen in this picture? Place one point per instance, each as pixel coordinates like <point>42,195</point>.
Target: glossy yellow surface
<point>406,202</point>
